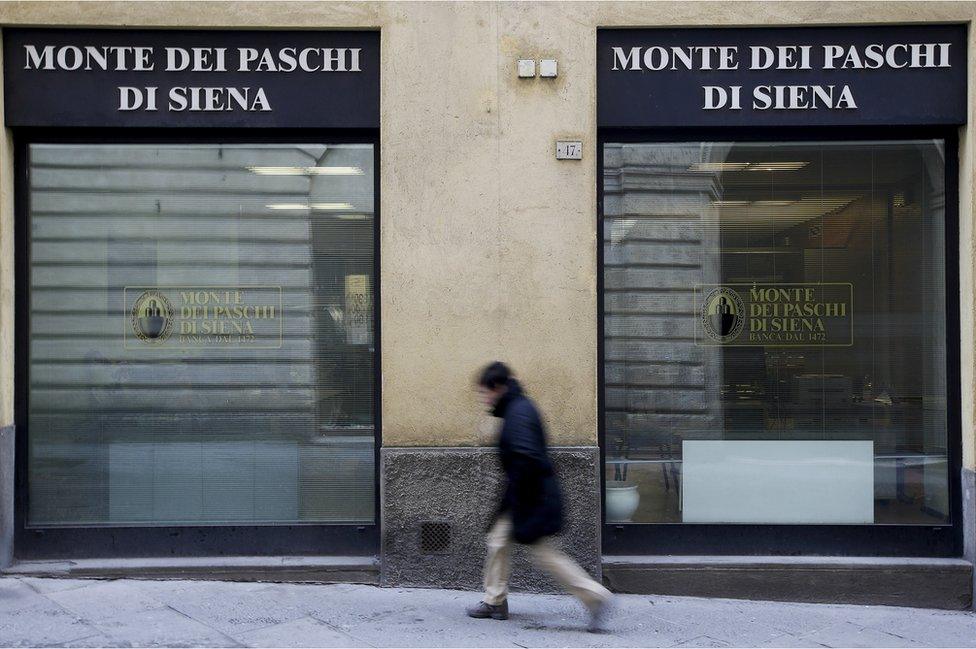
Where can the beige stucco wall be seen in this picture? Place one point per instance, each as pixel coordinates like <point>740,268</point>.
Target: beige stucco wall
<point>488,242</point>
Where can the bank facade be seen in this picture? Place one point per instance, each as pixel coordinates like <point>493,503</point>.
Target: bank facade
<point>251,257</point>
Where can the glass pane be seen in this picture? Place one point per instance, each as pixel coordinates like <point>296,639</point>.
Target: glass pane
<point>775,332</point>
<point>201,334</point>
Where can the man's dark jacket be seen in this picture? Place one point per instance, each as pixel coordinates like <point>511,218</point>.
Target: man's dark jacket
<point>532,491</point>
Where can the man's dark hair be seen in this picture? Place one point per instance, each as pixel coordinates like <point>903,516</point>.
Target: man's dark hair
<point>494,375</point>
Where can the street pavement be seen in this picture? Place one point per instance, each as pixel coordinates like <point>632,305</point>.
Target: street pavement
<point>143,613</point>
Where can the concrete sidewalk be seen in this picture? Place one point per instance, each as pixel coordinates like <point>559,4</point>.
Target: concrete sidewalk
<point>122,613</point>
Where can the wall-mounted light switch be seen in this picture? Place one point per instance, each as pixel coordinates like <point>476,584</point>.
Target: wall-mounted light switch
<point>547,68</point>
<point>526,68</point>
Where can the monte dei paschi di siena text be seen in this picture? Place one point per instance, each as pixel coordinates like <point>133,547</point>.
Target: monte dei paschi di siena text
<point>791,315</point>
<point>874,56</point>
<point>193,59</point>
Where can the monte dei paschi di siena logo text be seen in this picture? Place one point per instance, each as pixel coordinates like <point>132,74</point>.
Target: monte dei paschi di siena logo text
<point>182,317</point>
<point>774,315</point>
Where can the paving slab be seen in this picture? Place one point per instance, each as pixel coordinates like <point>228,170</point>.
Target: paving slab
<point>414,625</point>
<point>162,627</point>
<point>104,599</point>
<point>303,632</point>
<point>44,586</point>
<point>788,641</point>
<point>645,630</point>
<point>795,619</point>
<point>180,613</point>
<point>43,623</point>
<point>354,607</point>
<point>932,629</point>
<point>15,595</point>
<point>703,641</point>
<point>232,609</point>
<point>848,634</point>
<point>559,629</point>
<point>721,623</point>
<point>97,640</point>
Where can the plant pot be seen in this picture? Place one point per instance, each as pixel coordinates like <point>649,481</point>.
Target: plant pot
<point>622,501</point>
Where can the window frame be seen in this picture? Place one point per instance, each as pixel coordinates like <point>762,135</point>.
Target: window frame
<point>124,541</point>
<point>782,540</point>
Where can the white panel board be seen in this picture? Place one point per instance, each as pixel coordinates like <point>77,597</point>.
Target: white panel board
<point>203,481</point>
<point>785,482</point>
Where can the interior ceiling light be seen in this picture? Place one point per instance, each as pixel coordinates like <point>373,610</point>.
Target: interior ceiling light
<point>763,203</point>
<point>338,207</point>
<point>352,217</point>
<point>310,206</point>
<point>307,171</point>
<point>718,166</point>
<point>747,166</point>
<point>287,206</point>
<point>777,166</point>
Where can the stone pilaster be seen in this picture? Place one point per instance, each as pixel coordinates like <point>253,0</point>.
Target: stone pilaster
<point>458,488</point>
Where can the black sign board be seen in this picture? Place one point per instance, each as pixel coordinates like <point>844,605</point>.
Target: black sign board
<point>805,76</point>
<point>324,79</point>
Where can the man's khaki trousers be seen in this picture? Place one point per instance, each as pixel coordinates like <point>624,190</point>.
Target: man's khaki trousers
<point>566,571</point>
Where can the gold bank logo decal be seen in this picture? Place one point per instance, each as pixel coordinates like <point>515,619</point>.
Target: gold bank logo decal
<point>774,315</point>
<point>722,314</point>
<point>152,317</point>
<point>188,317</point>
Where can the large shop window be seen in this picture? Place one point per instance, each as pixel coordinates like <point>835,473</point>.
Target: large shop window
<point>201,334</point>
<point>775,333</point>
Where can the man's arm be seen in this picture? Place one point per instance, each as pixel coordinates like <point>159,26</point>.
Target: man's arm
<point>528,460</point>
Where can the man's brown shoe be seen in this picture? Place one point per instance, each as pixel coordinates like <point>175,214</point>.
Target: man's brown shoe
<point>494,611</point>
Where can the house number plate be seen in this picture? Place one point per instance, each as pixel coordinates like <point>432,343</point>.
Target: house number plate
<point>569,150</point>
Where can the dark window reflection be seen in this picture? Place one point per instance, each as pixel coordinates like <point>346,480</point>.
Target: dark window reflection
<point>861,225</point>
<point>273,426</point>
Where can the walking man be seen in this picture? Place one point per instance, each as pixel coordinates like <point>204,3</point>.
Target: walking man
<point>530,511</point>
